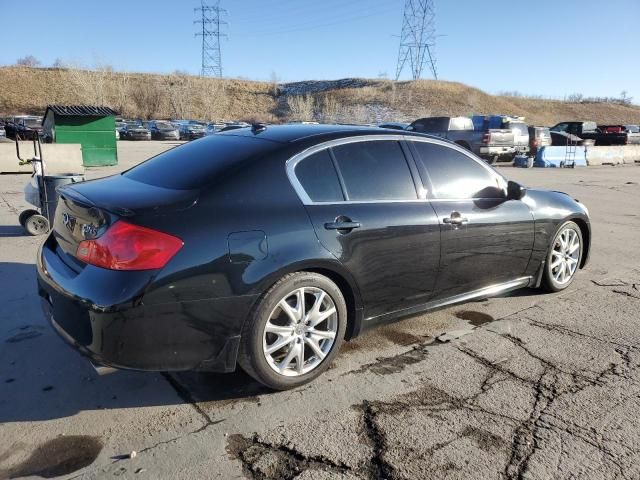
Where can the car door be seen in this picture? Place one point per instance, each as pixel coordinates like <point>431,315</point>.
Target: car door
<point>485,238</point>
<point>360,194</point>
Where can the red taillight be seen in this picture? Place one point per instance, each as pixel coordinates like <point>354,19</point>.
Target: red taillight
<point>129,247</point>
<point>486,138</point>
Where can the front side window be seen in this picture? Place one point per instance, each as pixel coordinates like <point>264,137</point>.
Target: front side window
<point>319,179</point>
<point>374,171</point>
<point>454,175</point>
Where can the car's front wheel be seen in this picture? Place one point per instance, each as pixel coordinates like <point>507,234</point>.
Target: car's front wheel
<point>294,332</point>
<point>563,259</point>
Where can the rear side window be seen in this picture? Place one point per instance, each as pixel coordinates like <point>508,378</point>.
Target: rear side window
<point>319,179</point>
<point>454,175</point>
<point>375,170</point>
<point>194,164</point>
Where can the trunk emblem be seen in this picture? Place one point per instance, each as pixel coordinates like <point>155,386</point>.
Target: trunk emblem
<point>68,221</point>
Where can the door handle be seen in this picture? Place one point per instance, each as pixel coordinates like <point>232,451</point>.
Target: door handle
<point>455,219</point>
<point>341,225</point>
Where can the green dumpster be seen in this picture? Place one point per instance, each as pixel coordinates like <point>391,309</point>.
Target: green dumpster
<point>93,127</point>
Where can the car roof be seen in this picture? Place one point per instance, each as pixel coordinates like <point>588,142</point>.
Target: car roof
<point>300,132</point>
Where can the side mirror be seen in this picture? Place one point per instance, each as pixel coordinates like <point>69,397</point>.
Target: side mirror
<point>515,191</point>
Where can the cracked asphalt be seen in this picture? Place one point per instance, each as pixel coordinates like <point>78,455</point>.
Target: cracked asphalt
<point>524,386</point>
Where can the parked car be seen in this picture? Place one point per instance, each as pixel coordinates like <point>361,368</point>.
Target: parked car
<point>162,130</point>
<point>268,247</point>
<point>633,128</point>
<point>134,131</point>
<point>633,138</point>
<point>25,127</point>
<point>538,137</point>
<point>3,133</point>
<point>394,125</point>
<point>210,128</point>
<point>590,131</point>
<point>487,142</point>
<point>192,130</point>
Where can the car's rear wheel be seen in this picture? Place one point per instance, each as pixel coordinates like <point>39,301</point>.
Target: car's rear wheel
<point>294,332</point>
<point>563,259</point>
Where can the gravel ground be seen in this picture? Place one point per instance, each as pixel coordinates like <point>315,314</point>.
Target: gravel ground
<point>539,385</point>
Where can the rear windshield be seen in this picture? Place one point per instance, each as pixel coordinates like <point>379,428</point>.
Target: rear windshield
<point>519,128</point>
<point>194,164</point>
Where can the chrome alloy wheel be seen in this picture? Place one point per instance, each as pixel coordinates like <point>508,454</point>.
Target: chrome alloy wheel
<point>565,256</point>
<point>300,331</point>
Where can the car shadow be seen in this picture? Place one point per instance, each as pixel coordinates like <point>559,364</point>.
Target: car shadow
<point>43,378</point>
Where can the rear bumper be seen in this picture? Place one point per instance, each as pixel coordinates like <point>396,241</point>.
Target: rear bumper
<point>496,151</point>
<point>172,336</point>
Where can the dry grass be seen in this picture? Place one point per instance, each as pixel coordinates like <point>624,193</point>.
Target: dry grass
<point>29,90</point>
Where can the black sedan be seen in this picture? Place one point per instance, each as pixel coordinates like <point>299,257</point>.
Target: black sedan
<point>268,247</point>
<point>134,131</point>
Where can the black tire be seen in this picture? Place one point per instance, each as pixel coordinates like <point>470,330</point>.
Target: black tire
<point>36,225</point>
<point>549,283</point>
<point>251,356</point>
<point>22,218</point>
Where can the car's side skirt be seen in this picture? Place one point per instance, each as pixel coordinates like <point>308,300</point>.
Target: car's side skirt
<point>490,291</point>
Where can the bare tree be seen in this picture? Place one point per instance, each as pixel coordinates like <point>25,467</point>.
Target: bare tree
<point>624,98</point>
<point>213,98</point>
<point>89,86</point>
<point>122,93</point>
<point>180,90</point>
<point>28,61</point>
<point>301,107</point>
<point>148,97</point>
<point>58,63</point>
<point>331,110</point>
<point>274,80</point>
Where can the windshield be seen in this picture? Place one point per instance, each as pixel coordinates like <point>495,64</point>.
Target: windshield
<point>32,122</point>
<point>164,126</point>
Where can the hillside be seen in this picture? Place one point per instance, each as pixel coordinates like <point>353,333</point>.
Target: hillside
<point>29,90</point>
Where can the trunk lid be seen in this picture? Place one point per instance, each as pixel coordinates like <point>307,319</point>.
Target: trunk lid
<point>500,137</point>
<point>86,210</point>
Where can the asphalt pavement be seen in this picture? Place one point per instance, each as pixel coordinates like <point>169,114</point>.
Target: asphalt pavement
<point>527,385</point>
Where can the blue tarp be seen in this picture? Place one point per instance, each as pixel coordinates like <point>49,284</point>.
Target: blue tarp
<point>555,156</point>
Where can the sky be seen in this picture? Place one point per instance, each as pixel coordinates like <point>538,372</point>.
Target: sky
<point>542,47</point>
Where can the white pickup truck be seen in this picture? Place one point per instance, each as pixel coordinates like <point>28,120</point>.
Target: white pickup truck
<point>490,144</point>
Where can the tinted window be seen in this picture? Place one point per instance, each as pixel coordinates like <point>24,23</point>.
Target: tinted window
<point>432,124</point>
<point>375,170</point>
<point>455,175</point>
<point>319,179</point>
<point>197,163</point>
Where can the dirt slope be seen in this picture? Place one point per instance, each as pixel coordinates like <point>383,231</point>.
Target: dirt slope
<point>29,90</point>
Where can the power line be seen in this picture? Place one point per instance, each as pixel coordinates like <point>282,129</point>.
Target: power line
<point>418,38</point>
<point>211,32</point>
<point>312,25</point>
